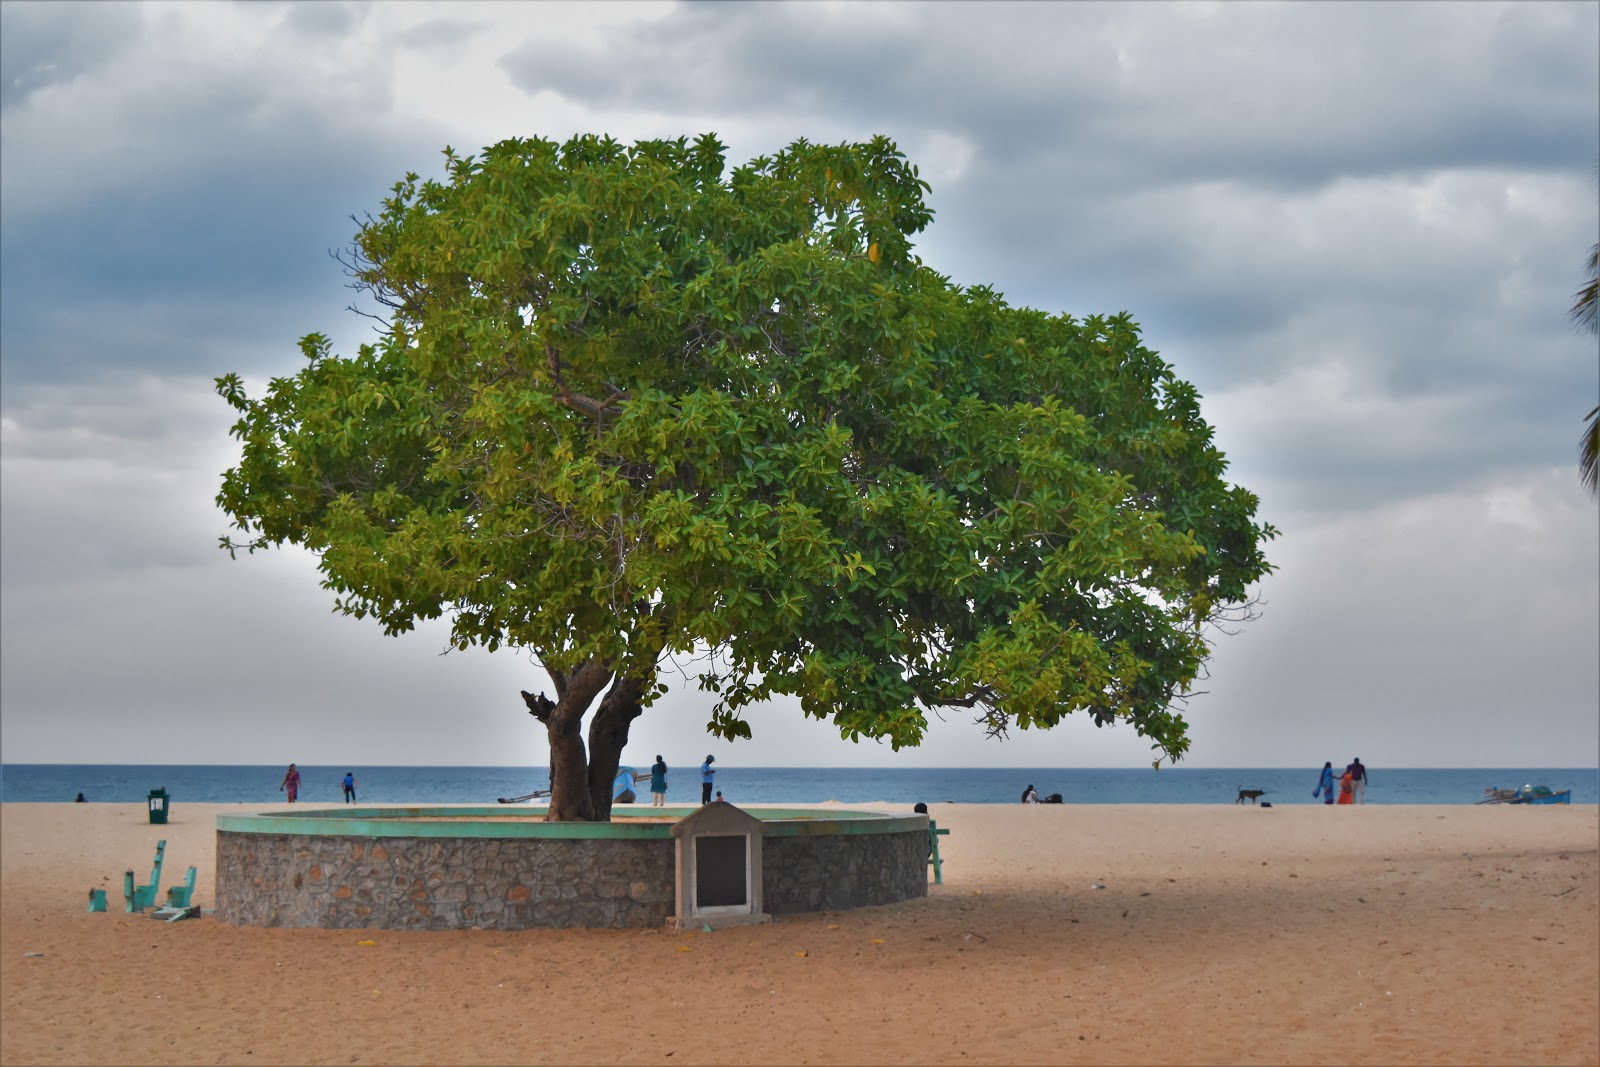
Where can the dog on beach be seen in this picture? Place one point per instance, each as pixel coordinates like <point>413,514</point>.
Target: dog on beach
<point>1250,794</point>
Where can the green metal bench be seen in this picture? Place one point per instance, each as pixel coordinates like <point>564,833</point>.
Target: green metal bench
<point>181,896</point>
<point>140,897</point>
<point>934,833</point>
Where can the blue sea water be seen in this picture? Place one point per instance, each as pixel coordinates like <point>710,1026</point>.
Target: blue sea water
<point>200,784</point>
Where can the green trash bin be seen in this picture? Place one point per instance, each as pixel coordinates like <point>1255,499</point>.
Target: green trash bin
<point>158,807</point>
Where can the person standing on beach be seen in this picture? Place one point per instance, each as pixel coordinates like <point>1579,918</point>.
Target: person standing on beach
<point>1358,780</point>
<point>290,783</point>
<point>658,782</point>
<point>1325,784</point>
<point>707,775</point>
<point>1346,789</point>
<point>349,784</point>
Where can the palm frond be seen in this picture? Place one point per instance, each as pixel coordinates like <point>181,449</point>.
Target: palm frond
<point>1589,453</point>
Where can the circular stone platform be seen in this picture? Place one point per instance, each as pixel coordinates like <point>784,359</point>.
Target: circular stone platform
<point>505,868</point>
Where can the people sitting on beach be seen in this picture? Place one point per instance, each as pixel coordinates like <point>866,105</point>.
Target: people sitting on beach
<point>1029,796</point>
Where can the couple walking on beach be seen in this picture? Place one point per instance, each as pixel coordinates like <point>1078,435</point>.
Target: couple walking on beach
<point>658,781</point>
<point>1352,784</point>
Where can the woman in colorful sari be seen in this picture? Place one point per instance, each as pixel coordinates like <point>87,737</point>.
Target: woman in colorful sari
<point>1347,788</point>
<point>1325,784</point>
<point>291,783</point>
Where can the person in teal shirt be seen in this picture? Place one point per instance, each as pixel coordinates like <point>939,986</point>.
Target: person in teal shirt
<point>658,782</point>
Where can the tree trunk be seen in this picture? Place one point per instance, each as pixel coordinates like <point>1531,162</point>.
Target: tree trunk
<point>608,735</point>
<point>571,799</point>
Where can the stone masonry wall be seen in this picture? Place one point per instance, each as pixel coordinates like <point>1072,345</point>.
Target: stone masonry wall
<point>426,883</point>
<point>836,871</point>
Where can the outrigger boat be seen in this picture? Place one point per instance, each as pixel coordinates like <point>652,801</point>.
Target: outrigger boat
<point>1528,794</point>
<point>621,788</point>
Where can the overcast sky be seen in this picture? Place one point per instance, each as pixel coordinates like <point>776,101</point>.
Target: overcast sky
<point>1356,227</point>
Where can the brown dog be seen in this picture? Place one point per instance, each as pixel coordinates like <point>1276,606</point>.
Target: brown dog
<point>1250,793</point>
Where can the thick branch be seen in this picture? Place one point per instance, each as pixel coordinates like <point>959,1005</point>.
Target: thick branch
<point>583,405</point>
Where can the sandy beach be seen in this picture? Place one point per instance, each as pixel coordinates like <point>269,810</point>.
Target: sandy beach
<point>1070,934</point>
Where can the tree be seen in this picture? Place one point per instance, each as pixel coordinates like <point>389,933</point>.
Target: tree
<point>625,406</point>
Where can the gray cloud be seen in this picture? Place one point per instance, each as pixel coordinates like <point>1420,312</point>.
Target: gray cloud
<point>1279,96</point>
<point>438,33</point>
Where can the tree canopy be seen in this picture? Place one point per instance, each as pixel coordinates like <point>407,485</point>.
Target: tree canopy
<point>627,405</point>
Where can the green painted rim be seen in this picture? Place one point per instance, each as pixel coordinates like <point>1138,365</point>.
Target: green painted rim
<point>515,821</point>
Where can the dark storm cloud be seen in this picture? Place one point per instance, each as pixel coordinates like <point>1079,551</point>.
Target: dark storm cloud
<point>131,243</point>
<point>47,44</point>
<point>190,258</point>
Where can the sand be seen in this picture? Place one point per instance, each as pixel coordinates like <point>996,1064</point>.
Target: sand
<point>1289,935</point>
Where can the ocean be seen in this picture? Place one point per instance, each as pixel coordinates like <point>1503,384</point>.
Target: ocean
<point>233,784</point>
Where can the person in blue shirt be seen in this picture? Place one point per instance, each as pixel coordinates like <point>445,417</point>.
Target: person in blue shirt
<point>349,784</point>
<point>707,774</point>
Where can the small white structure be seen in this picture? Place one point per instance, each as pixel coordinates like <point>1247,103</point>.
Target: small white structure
<point>719,868</point>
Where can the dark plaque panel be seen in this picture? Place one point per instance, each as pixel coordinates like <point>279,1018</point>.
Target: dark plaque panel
<point>719,871</point>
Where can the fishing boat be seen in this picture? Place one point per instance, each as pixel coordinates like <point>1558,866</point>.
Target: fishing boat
<point>622,785</point>
<point>1528,794</point>
<point>621,788</point>
<point>1546,797</point>
<point>537,794</point>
